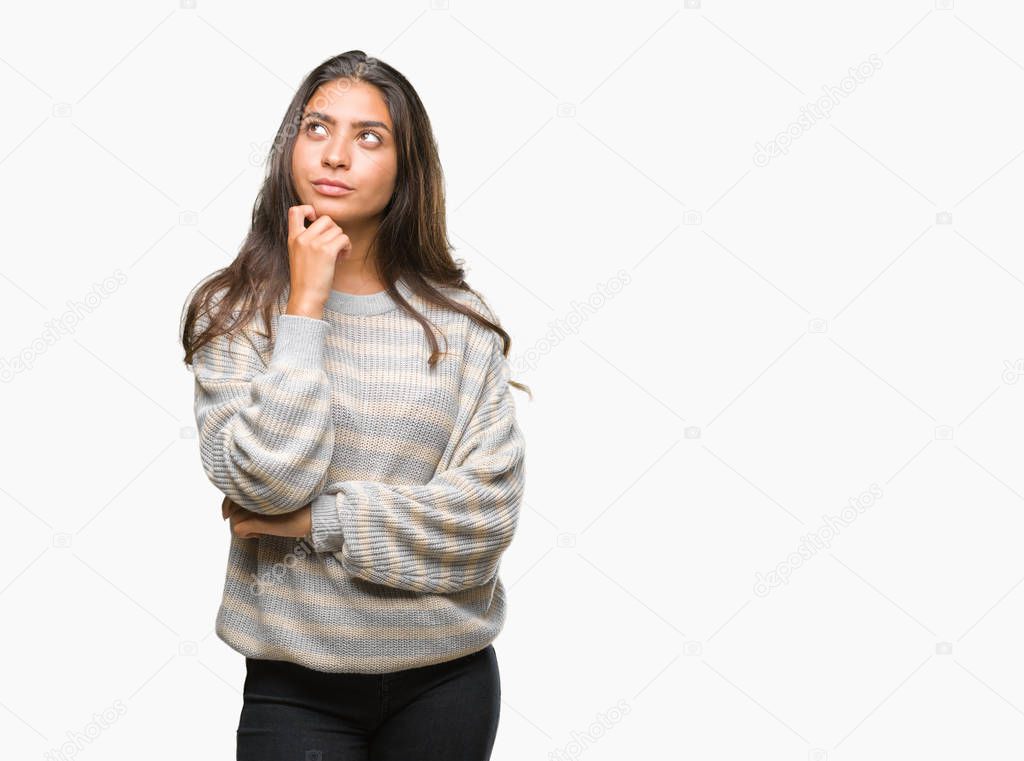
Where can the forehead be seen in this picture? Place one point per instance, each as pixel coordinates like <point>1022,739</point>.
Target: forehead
<point>346,100</point>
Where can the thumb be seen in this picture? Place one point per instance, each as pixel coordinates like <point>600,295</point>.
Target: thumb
<point>229,508</point>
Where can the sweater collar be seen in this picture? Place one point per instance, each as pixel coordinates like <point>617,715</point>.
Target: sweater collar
<point>367,303</point>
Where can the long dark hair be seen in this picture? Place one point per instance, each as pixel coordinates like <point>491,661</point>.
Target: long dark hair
<point>411,240</point>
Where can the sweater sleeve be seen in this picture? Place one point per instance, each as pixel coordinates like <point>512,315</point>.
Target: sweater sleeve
<point>446,535</point>
<point>265,430</point>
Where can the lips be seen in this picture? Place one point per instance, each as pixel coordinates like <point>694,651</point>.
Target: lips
<point>333,183</point>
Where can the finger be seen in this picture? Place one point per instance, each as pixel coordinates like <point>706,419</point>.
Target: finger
<point>323,226</point>
<point>334,241</point>
<point>296,215</point>
<point>242,531</point>
<point>230,509</point>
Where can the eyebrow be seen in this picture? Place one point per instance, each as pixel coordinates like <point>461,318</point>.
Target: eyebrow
<point>332,121</point>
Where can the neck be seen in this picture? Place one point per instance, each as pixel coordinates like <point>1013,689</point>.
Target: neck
<point>356,272</point>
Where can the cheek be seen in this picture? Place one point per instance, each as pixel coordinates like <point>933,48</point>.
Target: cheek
<point>381,180</point>
<point>386,178</point>
<point>298,157</point>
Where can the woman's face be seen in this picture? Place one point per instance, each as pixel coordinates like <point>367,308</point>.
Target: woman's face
<point>346,136</point>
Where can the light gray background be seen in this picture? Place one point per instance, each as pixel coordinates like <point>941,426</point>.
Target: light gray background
<point>725,353</point>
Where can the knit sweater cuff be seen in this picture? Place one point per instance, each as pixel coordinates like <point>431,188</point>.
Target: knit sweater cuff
<point>326,535</point>
<point>300,341</point>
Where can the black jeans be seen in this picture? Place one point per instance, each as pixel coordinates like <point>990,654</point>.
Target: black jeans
<point>446,711</point>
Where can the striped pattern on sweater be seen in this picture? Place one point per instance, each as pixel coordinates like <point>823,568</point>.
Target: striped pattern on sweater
<point>415,478</point>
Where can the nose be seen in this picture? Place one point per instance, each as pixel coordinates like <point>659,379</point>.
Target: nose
<point>335,155</point>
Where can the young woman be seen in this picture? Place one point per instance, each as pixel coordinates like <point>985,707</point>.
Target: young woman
<point>372,480</point>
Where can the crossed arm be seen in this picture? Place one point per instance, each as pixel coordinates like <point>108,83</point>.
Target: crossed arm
<point>266,438</point>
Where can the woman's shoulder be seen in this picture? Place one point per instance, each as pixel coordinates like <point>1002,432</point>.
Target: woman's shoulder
<point>471,298</point>
<point>240,331</point>
<point>483,345</point>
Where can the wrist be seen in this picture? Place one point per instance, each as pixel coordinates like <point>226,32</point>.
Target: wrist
<point>305,306</point>
<point>325,524</point>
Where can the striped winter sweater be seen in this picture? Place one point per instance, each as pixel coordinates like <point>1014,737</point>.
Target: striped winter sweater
<point>415,477</point>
